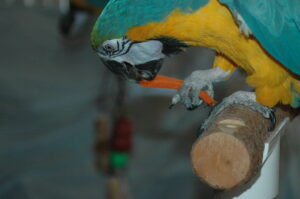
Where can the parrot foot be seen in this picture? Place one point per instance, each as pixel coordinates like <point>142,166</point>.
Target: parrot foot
<point>243,98</point>
<point>199,80</point>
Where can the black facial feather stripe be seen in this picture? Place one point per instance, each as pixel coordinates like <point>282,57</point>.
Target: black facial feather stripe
<point>126,51</point>
<point>122,48</point>
<point>171,45</point>
<point>118,45</point>
<point>130,45</point>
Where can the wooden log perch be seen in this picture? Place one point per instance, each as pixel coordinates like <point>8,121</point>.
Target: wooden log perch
<point>229,153</point>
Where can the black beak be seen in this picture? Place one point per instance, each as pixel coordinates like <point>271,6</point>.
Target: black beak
<point>146,71</point>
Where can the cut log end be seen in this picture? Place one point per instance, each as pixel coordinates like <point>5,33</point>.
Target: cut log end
<point>229,152</point>
<point>222,160</point>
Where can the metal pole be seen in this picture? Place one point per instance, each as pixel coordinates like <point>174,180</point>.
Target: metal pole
<point>29,3</point>
<point>64,5</point>
<point>267,184</point>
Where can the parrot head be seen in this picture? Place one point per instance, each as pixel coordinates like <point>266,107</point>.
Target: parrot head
<point>136,60</point>
<point>131,57</point>
<point>132,60</point>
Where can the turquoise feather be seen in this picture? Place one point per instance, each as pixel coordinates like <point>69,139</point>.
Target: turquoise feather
<point>120,15</point>
<point>276,25</point>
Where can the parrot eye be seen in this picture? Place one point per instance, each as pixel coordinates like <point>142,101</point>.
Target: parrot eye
<point>109,47</point>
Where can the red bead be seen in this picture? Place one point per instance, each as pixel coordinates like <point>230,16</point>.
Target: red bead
<point>122,135</point>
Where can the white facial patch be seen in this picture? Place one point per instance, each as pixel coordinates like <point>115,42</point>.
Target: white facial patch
<point>134,53</point>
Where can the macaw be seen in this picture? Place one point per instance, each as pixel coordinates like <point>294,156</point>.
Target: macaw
<point>262,37</point>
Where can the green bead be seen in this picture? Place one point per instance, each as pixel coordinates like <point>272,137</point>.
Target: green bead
<point>119,160</point>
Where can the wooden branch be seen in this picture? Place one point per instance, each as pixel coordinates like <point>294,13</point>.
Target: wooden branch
<point>229,153</point>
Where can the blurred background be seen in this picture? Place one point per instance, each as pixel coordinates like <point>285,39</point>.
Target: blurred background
<point>63,115</point>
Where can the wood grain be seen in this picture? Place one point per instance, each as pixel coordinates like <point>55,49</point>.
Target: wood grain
<point>229,153</point>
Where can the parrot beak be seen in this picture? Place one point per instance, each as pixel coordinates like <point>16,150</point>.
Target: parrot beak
<point>145,71</point>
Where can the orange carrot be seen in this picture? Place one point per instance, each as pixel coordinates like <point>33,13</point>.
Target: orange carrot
<point>161,81</point>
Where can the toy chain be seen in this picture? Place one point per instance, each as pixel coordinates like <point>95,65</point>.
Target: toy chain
<point>114,144</point>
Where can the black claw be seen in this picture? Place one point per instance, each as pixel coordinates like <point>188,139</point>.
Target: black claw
<point>199,132</point>
<point>191,108</point>
<point>272,117</point>
<point>171,106</point>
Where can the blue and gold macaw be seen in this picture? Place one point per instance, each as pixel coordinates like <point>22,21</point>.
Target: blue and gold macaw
<point>262,37</point>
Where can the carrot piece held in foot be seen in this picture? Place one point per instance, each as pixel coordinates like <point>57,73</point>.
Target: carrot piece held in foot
<point>161,81</point>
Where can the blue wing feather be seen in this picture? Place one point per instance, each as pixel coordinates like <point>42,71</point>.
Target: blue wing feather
<point>276,25</point>
<point>120,15</point>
